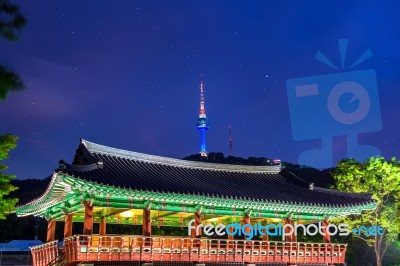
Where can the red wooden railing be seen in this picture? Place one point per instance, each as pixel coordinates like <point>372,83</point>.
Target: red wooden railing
<point>45,254</point>
<point>81,248</point>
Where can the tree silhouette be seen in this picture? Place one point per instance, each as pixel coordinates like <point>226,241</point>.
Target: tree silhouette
<point>11,20</point>
<point>9,81</point>
<point>11,23</point>
<point>7,143</point>
<point>381,179</point>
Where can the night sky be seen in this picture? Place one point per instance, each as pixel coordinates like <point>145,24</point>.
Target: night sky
<point>126,74</point>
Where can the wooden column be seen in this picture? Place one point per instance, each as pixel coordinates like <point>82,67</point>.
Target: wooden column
<point>265,237</point>
<point>231,231</point>
<point>68,225</point>
<point>292,237</point>
<point>146,231</point>
<point>246,220</point>
<point>103,226</point>
<point>326,236</point>
<point>51,230</point>
<point>88,223</point>
<point>197,221</point>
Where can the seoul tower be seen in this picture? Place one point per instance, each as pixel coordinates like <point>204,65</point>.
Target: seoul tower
<point>202,123</point>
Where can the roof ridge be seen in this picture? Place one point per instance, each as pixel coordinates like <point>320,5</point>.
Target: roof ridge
<point>355,195</point>
<point>294,178</point>
<point>110,151</point>
<point>82,168</point>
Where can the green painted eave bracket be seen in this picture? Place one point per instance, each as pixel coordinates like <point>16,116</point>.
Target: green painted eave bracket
<point>67,193</point>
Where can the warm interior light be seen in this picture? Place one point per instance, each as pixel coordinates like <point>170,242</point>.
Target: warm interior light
<point>126,214</point>
<point>275,220</point>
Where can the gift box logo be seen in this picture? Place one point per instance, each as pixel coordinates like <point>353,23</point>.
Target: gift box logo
<point>336,104</point>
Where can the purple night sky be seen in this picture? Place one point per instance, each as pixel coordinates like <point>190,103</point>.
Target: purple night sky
<point>126,74</point>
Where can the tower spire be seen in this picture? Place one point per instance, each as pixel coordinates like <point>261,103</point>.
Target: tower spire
<point>202,109</point>
<point>202,122</point>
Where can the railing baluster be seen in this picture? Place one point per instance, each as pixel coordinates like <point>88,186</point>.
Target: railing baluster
<point>190,249</point>
<point>319,253</point>
<point>141,247</point>
<point>131,246</point>
<point>182,247</point>
<point>225,250</point>
<point>151,247</point>
<point>162,248</point>
<point>234,250</point>
<point>326,253</point>
<point>79,249</point>
<point>123,240</point>
<point>88,239</point>
<point>172,248</point>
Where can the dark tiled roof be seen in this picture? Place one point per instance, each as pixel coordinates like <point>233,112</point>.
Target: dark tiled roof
<point>126,169</point>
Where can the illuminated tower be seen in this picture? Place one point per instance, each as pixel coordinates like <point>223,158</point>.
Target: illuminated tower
<point>202,123</point>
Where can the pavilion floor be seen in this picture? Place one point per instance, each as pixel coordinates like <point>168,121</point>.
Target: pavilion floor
<point>169,250</point>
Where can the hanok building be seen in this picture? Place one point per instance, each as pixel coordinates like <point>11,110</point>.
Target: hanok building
<point>106,185</point>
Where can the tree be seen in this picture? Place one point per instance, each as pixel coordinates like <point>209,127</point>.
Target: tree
<point>11,22</point>
<point>7,143</point>
<point>9,81</point>
<point>381,179</point>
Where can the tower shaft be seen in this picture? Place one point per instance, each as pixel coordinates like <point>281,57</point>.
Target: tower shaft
<point>203,150</point>
<point>202,122</point>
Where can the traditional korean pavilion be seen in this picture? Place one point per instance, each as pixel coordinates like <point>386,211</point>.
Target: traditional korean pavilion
<point>106,185</point>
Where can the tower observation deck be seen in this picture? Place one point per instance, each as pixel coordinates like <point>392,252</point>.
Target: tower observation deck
<point>202,122</point>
